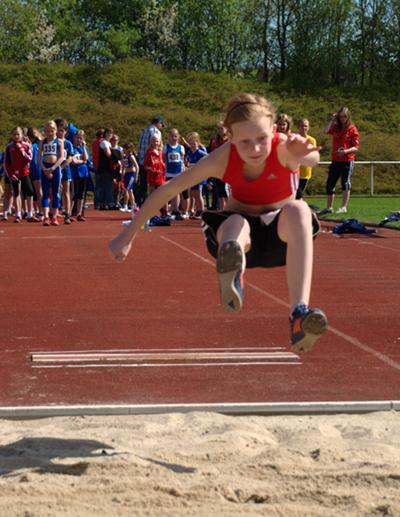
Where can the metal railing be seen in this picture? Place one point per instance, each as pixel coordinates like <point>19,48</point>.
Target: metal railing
<point>371,170</point>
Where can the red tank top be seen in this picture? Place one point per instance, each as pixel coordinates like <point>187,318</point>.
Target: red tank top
<point>275,183</point>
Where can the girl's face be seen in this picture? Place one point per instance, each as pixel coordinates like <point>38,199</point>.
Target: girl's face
<point>78,139</point>
<point>304,127</point>
<point>253,139</point>
<point>17,135</point>
<point>221,130</point>
<point>343,117</point>
<point>173,138</point>
<point>61,132</point>
<point>50,132</point>
<point>282,126</point>
<point>155,142</point>
<point>193,143</point>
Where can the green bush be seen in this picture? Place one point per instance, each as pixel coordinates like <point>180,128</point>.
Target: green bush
<point>126,96</point>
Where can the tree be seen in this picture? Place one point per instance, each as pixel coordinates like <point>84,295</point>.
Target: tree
<point>17,26</point>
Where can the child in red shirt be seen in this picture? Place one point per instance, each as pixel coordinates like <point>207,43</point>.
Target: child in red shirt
<point>17,158</point>
<point>155,168</point>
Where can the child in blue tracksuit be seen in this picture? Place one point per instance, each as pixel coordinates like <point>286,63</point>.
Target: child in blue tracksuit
<point>50,157</point>
<point>196,153</point>
<point>80,171</point>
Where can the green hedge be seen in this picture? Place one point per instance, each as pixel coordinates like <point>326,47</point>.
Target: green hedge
<point>126,96</point>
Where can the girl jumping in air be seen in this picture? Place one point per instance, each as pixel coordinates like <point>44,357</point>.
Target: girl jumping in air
<point>262,225</point>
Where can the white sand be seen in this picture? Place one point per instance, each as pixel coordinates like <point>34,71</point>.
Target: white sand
<point>201,464</point>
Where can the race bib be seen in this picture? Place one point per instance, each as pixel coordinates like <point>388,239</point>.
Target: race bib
<point>50,149</point>
<point>174,157</point>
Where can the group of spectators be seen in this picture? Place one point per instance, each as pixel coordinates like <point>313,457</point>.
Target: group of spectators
<point>44,172</point>
<point>49,175</point>
<point>345,144</point>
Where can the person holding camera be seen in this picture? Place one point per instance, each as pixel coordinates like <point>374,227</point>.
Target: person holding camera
<point>345,144</point>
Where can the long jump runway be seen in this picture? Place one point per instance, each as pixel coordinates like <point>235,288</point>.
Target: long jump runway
<point>81,333</point>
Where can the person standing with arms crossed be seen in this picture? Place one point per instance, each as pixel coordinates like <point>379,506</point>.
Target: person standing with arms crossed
<point>263,225</point>
<point>345,144</point>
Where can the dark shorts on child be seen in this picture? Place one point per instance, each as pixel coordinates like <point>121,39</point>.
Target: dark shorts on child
<point>267,249</point>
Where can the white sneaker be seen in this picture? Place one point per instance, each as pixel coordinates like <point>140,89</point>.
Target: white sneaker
<point>341,210</point>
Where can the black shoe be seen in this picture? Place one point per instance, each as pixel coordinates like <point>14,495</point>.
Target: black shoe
<point>230,275</point>
<point>325,211</point>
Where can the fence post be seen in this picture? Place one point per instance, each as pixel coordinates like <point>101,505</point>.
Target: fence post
<point>371,179</point>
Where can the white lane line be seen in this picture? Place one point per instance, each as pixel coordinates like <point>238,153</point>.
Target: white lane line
<point>370,243</point>
<point>362,346</point>
<point>166,365</point>
<point>379,246</point>
<point>162,350</point>
<point>211,263</point>
<point>353,341</point>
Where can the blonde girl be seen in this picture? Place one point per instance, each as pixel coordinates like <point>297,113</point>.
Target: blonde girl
<point>196,152</point>
<point>174,158</point>
<point>50,157</point>
<point>263,224</point>
<point>284,123</point>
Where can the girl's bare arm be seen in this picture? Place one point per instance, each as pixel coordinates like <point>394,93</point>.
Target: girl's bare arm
<point>213,165</point>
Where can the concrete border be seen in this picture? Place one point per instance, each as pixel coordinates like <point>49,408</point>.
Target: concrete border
<point>260,408</point>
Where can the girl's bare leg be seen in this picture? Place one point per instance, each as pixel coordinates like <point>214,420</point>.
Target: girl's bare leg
<point>235,228</point>
<point>233,241</point>
<point>294,228</point>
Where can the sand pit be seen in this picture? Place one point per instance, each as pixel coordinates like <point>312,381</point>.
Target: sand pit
<point>201,464</point>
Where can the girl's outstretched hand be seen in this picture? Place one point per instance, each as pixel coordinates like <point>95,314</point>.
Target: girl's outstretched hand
<point>121,245</point>
<point>299,146</point>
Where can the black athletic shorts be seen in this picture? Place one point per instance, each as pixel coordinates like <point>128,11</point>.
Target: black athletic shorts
<point>220,187</point>
<point>342,171</point>
<point>267,249</point>
<point>26,187</point>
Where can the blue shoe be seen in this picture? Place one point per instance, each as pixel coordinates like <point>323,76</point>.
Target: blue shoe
<point>306,326</point>
<point>230,275</point>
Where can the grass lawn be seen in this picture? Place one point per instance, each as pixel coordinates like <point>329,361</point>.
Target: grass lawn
<point>368,210</point>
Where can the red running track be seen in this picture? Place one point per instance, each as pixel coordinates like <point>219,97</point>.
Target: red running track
<point>81,329</point>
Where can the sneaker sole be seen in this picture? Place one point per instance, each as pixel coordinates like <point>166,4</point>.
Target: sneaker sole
<point>229,262</point>
<point>314,325</point>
